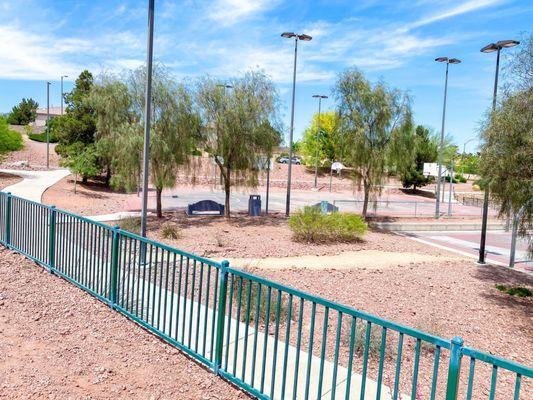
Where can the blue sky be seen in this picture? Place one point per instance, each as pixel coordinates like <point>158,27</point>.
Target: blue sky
<point>396,41</point>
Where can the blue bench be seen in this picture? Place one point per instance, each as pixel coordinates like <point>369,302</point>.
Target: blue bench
<point>205,207</point>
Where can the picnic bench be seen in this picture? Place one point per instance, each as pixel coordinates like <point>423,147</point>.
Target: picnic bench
<point>205,207</point>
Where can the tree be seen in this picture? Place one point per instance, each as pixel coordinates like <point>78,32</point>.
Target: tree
<point>174,131</point>
<point>238,127</point>
<point>24,113</point>
<point>327,139</point>
<point>77,127</point>
<point>506,154</point>
<point>375,130</point>
<point>112,104</point>
<point>426,151</point>
<point>81,159</point>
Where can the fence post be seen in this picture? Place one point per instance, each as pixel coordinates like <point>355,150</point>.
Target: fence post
<point>8,220</point>
<point>114,267</point>
<point>454,369</point>
<point>221,315</point>
<point>52,239</point>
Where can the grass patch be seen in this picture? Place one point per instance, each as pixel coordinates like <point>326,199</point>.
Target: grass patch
<point>312,226</point>
<point>169,231</point>
<point>518,291</point>
<point>254,298</point>
<point>130,224</point>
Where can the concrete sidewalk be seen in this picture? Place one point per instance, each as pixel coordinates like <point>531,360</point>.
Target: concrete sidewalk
<point>34,183</point>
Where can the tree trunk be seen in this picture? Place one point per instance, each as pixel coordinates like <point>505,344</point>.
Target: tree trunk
<point>227,190</point>
<point>366,189</point>
<point>158,192</point>
<point>107,176</point>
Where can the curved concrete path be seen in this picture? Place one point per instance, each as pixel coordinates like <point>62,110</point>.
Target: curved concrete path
<point>34,183</point>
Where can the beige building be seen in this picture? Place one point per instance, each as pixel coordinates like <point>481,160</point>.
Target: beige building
<point>40,121</point>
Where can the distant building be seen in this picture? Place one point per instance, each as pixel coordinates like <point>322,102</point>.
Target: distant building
<point>42,114</point>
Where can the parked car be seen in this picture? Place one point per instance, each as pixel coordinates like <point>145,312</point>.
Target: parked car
<point>285,160</point>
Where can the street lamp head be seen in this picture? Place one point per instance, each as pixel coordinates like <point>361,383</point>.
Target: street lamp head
<point>64,76</point>
<point>288,35</point>
<point>454,61</point>
<point>320,96</point>
<point>492,47</point>
<point>441,59</point>
<point>507,43</point>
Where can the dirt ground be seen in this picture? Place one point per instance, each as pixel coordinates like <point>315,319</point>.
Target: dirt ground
<point>92,198</point>
<point>8,180</point>
<point>58,342</point>
<point>446,294</point>
<point>33,153</point>
<point>248,237</point>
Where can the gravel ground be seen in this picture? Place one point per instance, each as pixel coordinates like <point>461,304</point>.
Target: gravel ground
<point>60,343</point>
<point>90,199</point>
<point>34,153</point>
<point>8,180</point>
<point>248,237</point>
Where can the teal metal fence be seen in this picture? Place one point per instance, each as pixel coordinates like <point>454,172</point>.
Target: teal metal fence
<point>273,341</point>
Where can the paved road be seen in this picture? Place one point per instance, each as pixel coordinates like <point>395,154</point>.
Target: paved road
<point>467,243</point>
<point>393,205</point>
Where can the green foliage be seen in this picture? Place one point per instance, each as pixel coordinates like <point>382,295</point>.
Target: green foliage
<point>312,226</point>
<point>24,113</point>
<point>78,124</point>
<point>468,164</point>
<point>9,140</point>
<point>130,224</point>
<point>506,154</point>
<point>375,130</point>
<point>169,231</point>
<point>39,137</point>
<point>426,151</point>
<point>327,140</point>
<point>238,126</point>
<point>518,291</point>
<point>81,159</point>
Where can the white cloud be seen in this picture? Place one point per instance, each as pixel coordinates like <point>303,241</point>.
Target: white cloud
<point>228,12</point>
<point>459,9</point>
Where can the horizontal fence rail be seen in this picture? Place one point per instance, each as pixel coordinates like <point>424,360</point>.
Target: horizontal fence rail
<point>273,341</point>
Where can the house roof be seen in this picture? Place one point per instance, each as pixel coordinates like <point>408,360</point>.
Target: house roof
<point>55,111</point>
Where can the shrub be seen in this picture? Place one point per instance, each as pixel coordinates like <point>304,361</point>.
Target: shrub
<point>312,226</point>
<point>169,231</point>
<point>9,140</point>
<point>41,137</point>
<point>460,178</point>
<point>131,224</point>
<point>519,291</point>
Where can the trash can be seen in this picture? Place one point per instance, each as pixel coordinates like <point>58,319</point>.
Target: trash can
<point>254,205</point>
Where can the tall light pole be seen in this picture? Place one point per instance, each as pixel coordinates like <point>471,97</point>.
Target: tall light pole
<point>490,48</point>
<point>147,114</point>
<point>62,76</point>
<point>296,37</point>
<point>319,97</point>
<point>448,61</point>
<point>47,124</point>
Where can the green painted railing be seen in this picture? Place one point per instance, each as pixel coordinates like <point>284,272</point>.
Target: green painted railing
<point>271,340</point>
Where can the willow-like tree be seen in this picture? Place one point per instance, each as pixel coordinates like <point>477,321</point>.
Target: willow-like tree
<point>238,127</point>
<point>175,128</point>
<point>376,130</point>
